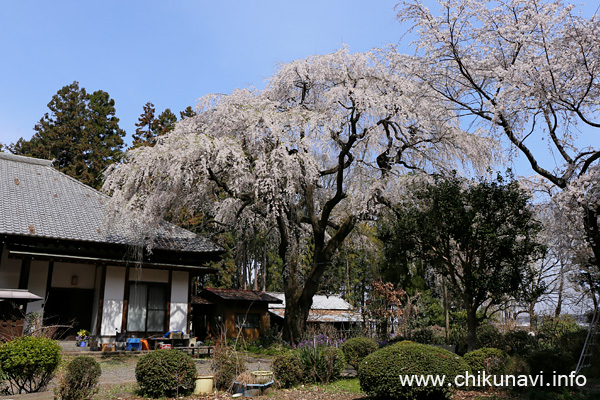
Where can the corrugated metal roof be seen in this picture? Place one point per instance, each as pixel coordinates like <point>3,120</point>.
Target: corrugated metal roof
<point>325,308</point>
<point>39,201</point>
<point>324,315</point>
<point>320,302</point>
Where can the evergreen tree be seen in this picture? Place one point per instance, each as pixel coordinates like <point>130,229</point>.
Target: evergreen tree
<point>150,127</point>
<point>81,133</point>
<point>145,133</point>
<point>165,122</point>
<point>482,238</point>
<point>188,112</point>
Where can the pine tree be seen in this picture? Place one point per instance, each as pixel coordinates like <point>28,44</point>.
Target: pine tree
<point>166,122</point>
<point>145,132</point>
<point>81,133</point>
<point>150,127</point>
<point>188,112</point>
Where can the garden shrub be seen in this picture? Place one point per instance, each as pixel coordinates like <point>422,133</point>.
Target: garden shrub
<point>488,359</point>
<point>165,373</point>
<point>458,337</point>
<point>520,342</point>
<point>227,364</point>
<point>322,361</point>
<point>426,335</point>
<point>287,369</point>
<point>80,380</point>
<point>379,373</point>
<point>28,363</point>
<point>550,361</point>
<point>357,348</point>
<point>517,365</point>
<point>489,336</point>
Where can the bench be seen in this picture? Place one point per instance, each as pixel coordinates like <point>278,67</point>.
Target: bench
<point>196,351</point>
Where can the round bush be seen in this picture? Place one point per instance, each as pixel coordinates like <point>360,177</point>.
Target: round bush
<point>380,372</point>
<point>357,348</point>
<point>165,373</point>
<point>28,363</point>
<point>287,369</point>
<point>80,380</point>
<point>488,359</point>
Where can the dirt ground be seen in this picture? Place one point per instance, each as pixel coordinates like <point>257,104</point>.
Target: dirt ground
<point>121,369</point>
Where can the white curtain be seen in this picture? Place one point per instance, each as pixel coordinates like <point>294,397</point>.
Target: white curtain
<point>136,311</point>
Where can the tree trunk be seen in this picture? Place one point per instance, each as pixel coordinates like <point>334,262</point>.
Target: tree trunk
<point>296,314</point>
<point>446,310</point>
<point>471,328</point>
<point>559,300</point>
<point>531,312</point>
<point>592,230</point>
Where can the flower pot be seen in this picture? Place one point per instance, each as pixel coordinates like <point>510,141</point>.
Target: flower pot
<point>204,384</point>
<point>82,344</point>
<point>263,376</point>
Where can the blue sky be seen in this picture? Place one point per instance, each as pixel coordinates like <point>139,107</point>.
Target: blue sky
<point>171,52</point>
<point>167,52</point>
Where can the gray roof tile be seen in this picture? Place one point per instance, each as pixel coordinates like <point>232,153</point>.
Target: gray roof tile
<point>37,200</point>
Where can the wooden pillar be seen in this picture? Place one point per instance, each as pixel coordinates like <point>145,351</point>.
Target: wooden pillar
<point>169,286</point>
<point>189,304</point>
<point>101,299</point>
<point>125,300</point>
<point>49,279</point>
<point>24,275</point>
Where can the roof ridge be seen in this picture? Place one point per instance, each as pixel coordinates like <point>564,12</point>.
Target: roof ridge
<point>49,163</point>
<point>24,159</point>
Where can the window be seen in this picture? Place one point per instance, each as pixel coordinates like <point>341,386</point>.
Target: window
<point>147,309</point>
<point>251,321</point>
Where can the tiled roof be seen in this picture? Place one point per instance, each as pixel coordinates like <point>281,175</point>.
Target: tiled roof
<point>37,200</point>
<point>238,294</point>
<point>201,300</point>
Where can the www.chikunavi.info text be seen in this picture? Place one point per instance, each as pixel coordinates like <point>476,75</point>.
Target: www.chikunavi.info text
<point>484,379</point>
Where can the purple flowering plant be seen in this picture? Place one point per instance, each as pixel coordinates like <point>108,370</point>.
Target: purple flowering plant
<point>318,358</point>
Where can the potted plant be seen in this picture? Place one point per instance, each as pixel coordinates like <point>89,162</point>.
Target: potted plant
<point>82,338</point>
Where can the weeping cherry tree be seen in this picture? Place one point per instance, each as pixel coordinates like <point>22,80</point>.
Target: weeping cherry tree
<point>309,157</point>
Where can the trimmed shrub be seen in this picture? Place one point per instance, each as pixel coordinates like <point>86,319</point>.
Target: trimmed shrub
<point>227,364</point>
<point>426,335</point>
<point>80,380</point>
<point>520,343</point>
<point>287,369</point>
<point>489,336</point>
<point>28,363</point>
<point>380,373</point>
<point>165,373</point>
<point>357,348</point>
<point>491,360</point>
